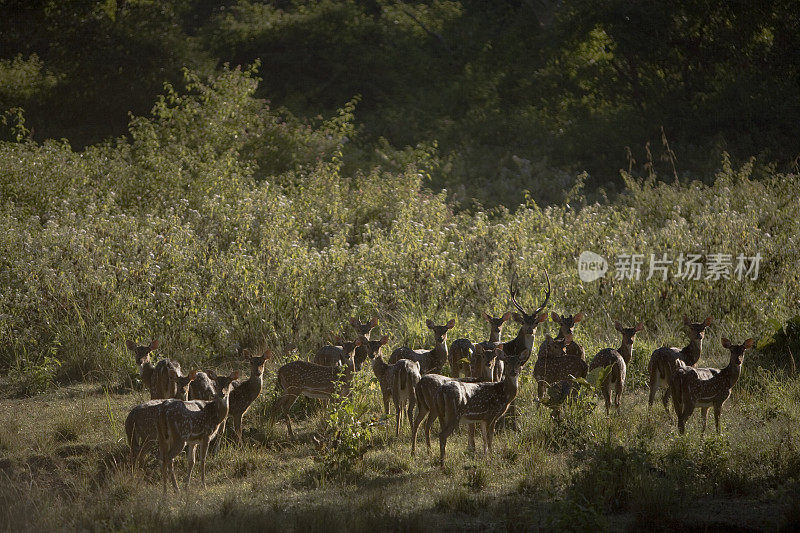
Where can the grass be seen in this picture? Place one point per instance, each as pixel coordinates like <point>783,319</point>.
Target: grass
<point>64,463</point>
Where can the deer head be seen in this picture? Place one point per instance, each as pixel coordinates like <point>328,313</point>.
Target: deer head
<point>496,324</point>
<point>142,352</point>
<point>628,333</point>
<point>696,330</point>
<point>365,328</point>
<point>440,332</point>
<point>566,323</point>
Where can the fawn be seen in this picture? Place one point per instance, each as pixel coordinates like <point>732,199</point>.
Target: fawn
<point>566,325</point>
<point>141,424</point>
<point>146,368</point>
<point>620,359</point>
<point>398,381</point>
<point>430,361</point>
<point>311,380</point>
<point>191,423</point>
<point>706,387</point>
<point>246,392</point>
<point>363,331</point>
<point>481,403</point>
<point>664,360</point>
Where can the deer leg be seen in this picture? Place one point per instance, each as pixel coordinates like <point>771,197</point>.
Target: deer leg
<point>428,424</point>
<point>618,396</point>
<point>704,413</point>
<point>717,413</point>
<point>173,452</point>
<point>665,401</point>
<point>421,413</point>
<point>386,402</point>
<point>653,389</point>
<point>410,412</point>
<point>490,433</point>
<point>398,409</point>
<point>203,453</point>
<point>237,427</point>
<point>448,426</point>
<point>190,459</point>
<point>471,433</point>
<point>606,388</point>
<point>540,390</point>
<point>487,445</point>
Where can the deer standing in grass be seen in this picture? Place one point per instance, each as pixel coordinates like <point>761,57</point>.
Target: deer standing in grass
<point>336,355</point>
<point>554,365</point>
<point>620,358</point>
<point>461,349</point>
<point>246,392</point>
<point>191,423</point>
<point>141,424</point>
<point>706,387</point>
<point>362,330</point>
<point>481,403</point>
<point>430,361</point>
<point>566,326</point>
<point>398,382</point>
<point>425,394</point>
<point>310,380</point>
<point>665,360</point>
<point>203,387</point>
<point>146,367</point>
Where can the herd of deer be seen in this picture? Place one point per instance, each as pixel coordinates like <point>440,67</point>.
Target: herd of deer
<point>191,411</point>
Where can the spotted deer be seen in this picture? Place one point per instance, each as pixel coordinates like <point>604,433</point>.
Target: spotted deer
<point>336,355</point>
<point>398,382</point>
<point>665,360</point>
<point>462,349</point>
<point>566,326</point>
<point>555,365</point>
<point>430,361</point>
<point>620,359</point>
<point>523,342</point>
<point>245,393</point>
<point>310,380</point>
<point>141,424</point>
<point>706,387</point>
<point>425,393</point>
<point>202,387</point>
<point>362,330</point>
<point>191,423</point>
<point>481,403</point>
<point>164,375</point>
<point>146,367</point>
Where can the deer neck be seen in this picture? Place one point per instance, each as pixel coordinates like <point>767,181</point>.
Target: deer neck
<point>440,348</point>
<point>379,367</point>
<point>626,349</point>
<point>691,353</point>
<point>494,336</point>
<point>519,344</point>
<point>510,387</point>
<point>731,373</point>
<point>256,378</point>
<point>146,373</point>
<point>219,410</point>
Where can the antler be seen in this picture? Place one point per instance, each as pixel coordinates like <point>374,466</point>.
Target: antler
<point>547,295</point>
<point>514,294</point>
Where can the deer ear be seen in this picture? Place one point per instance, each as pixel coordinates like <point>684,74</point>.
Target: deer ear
<point>373,322</point>
<point>618,326</point>
<point>131,345</point>
<point>506,316</point>
<point>451,323</point>
<point>234,374</point>
<point>429,323</point>
<point>578,317</point>
<point>708,321</point>
<point>267,354</point>
<point>748,343</point>
<point>339,341</point>
<point>686,320</point>
<point>354,322</point>
<point>555,317</point>
<point>541,318</point>
<point>192,375</point>
<point>358,342</point>
<point>726,343</point>
<point>153,344</point>
<point>385,339</point>
<point>639,326</point>
<point>211,375</point>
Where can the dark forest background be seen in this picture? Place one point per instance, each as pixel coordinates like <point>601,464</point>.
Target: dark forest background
<point>507,96</point>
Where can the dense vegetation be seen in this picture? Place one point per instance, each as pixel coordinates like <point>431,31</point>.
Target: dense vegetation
<point>519,95</point>
<point>220,221</point>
